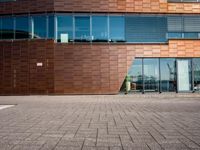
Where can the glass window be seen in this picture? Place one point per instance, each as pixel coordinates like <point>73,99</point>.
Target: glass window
<point>22,28</point>
<point>191,35</point>
<point>82,28</point>
<point>168,74</point>
<point>196,66</point>
<point>65,26</point>
<point>100,28</point>
<point>8,28</point>
<point>51,25</point>
<point>151,74</point>
<point>0,28</point>
<point>135,74</point>
<point>174,35</point>
<point>39,27</point>
<point>117,29</point>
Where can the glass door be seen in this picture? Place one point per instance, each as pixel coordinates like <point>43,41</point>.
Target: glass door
<point>151,74</point>
<point>184,73</point>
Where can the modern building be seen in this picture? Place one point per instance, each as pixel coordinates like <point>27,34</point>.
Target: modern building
<point>91,46</point>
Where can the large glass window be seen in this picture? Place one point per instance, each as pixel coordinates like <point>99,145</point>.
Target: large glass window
<point>117,29</point>
<point>151,74</point>
<point>0,28</point>
<point>7,28</point>
<point>168,74</point>
<point>100,28</point>
<point>135,74</point>
<point>82,29</point>
<point>39,27</point>
<point>51,26</point>
<point>22,28</point>
<point>65,27</point>
<point>196,67</point>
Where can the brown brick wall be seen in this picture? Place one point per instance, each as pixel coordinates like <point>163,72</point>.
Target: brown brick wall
<point>19,74</point>
<point>144,6</point>
<point>78,68</point>
<point>26,6</point>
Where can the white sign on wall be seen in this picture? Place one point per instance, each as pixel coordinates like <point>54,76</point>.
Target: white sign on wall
<point>64,38</point>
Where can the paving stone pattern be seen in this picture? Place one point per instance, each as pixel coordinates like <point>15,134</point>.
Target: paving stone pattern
<point>100,123</point>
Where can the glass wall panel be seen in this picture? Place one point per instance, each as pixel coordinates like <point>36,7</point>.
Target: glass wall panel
<point>22,28</point>
<point>168,74</point>
<point>65,27</point>
<point>196,67</point>
<point>151,74</point>
<point>82,29</point>
<point>174,35</point>
<point>191,35</point>
<point>0,28</point>
<point>99,28</point>
<point>51,26</point>
<point>117,29</point>
<point>135,73</point>
<point>39,27</point>
<point>7,28</point>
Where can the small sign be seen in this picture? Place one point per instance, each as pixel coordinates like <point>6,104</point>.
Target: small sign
<point>64,38</point>
<point>40,64</point>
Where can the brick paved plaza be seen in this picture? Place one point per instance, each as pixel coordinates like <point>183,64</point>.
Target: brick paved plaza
<point>100,122</point>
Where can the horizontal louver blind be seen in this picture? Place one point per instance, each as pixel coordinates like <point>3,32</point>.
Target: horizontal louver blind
<point>146,29</point>
<point>175,24</point>
<point>191,24</point>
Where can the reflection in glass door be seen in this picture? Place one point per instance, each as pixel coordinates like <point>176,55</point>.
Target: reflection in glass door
<point>196,68</point>
<point>151,74</point>
<point>184,75</point>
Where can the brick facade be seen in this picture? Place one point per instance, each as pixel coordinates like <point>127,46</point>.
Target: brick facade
<point>82,68</point>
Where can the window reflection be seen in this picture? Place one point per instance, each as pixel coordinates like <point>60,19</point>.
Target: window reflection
<point>82,29</point>
<point>100,28</point>
<point>151,74</point>
<point>39,27</point>
<point>51,26</point>
<point>196,66</point>
<point>117,29</point>
<point>8,28</point>
<point>22,28</point>
<point>65,27</point>
<point>135,74</point>
<point>168,74</point>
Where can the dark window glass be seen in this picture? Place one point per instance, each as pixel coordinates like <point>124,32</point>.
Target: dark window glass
<point>191,35</point>
<point>8,28</point>
<point>174,35</point>
<point>82,29</point>
<point>22,28</point>
<point>196,66</point>
<point>100,28</point>
<point>39,27</point>
<point>51,26</point>
<point>65,26</point>
<point>117,29</point>
<point>146,29</point>
<point>135,74</point>
<point>168,74</point>
<point>151,74</point>
<point>0,28</point>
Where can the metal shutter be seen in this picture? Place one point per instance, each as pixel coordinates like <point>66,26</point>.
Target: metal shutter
<point>192,24</point>
<point>175,24</point>
<point>146,29</point>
